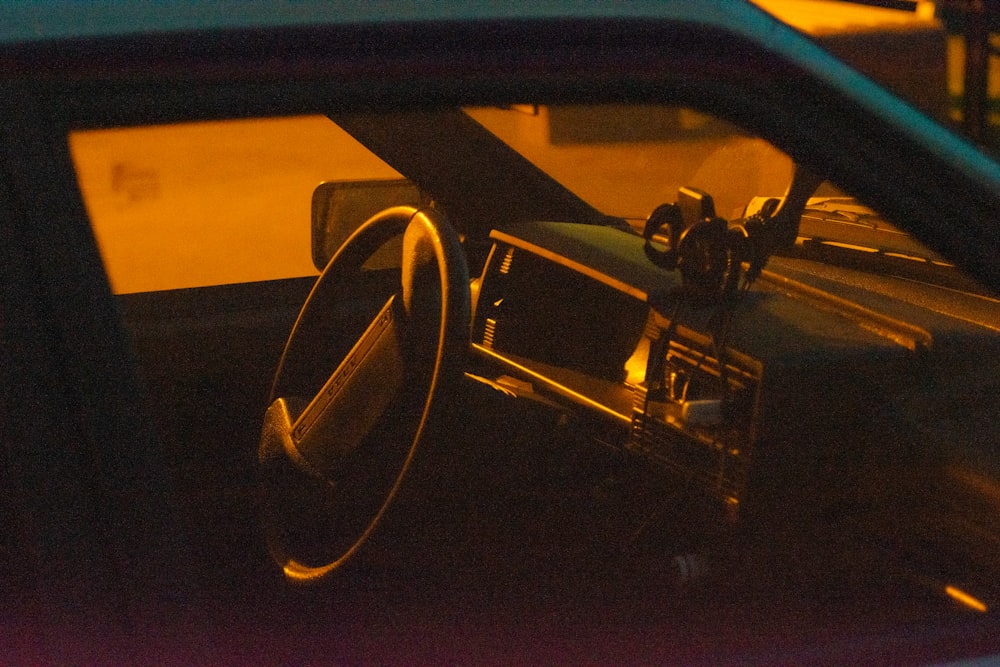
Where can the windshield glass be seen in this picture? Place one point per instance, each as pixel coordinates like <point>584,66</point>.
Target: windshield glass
<point>627,160</point>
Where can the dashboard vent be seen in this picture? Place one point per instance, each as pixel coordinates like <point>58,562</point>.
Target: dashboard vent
<point>709,454</point>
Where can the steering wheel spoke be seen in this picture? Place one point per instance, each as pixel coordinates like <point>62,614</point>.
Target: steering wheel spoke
<point>354,398</point>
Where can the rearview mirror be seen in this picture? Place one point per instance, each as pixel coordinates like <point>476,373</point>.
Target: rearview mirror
<point>340,207</point>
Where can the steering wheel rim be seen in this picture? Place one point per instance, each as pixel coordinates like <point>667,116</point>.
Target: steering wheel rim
<point>408,355</point>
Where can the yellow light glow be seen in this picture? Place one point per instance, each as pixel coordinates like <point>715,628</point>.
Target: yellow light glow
<point>965,599</point>
<point>635,367</point>
<point>850,246</point>
<point>213,203</point>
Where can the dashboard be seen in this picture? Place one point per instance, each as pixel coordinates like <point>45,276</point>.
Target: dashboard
<point>786,423</point>
<point>568,308</point>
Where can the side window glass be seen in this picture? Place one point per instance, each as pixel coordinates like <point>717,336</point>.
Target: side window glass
<point>213,203</point>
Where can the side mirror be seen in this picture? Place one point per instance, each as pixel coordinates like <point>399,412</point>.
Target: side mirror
<point>339,207</point>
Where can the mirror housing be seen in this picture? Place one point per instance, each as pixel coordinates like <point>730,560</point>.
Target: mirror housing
<point>340,207</point>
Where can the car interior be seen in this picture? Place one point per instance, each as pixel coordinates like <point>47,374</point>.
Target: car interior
<point>652,341</point>
<point>528,385</point>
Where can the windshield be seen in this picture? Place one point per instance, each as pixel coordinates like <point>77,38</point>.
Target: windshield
<point>627,160</point>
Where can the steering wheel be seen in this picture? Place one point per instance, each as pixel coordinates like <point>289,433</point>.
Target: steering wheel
<point>335,449</point>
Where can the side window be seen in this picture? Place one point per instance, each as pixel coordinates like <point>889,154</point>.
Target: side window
<point>213,203</point>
